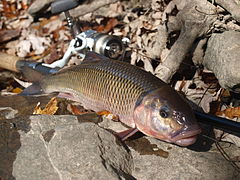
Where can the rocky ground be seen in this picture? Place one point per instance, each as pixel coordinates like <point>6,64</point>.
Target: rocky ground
<point>193,45</point>
<point>84,147</point>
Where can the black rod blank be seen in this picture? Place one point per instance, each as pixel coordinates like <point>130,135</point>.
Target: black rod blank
<point>224,124</point>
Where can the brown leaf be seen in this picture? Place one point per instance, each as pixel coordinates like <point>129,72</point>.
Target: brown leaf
<point>37,57</point>
<point>8,34</point>
<point>51,108</point>
<point>9,9</point>
<point>230,112</point>
<point>111,23</point>
<point>54,55</point>
<point>24,6</point>
<point>103,113</point>
<point>108,115</point>
<point>76,110</point>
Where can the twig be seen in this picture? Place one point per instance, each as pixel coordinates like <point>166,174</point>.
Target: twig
<point>223,152</point>
<point>194,25</point>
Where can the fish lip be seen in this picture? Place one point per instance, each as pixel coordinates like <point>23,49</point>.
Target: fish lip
<point>185,137</point>
<point>186,134</point>
<point>186,141</point>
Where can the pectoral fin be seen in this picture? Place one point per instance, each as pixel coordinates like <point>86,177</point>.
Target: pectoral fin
<point>127,133</point>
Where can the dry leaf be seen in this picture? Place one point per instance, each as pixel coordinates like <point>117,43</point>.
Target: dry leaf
<point>202,95</point>
<point>230,112</point>
<point>111,23</point>
<point>32,43</point>
<point>8,34</point>
<point>108,115</point>
<point>21,22</point>
<point>147,65</point>
<point>53,24</point>
<point>22,83</point>
<point>37,109</point>
<point>75,109</point>
<point>17,90</point>
<point>111,117</point>
<point>50,109</point>
<point>103,113</point>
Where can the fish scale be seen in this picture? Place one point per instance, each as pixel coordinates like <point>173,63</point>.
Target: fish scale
<point>104,85</point>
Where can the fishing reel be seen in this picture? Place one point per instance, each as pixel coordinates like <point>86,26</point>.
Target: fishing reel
<point>110,46</point>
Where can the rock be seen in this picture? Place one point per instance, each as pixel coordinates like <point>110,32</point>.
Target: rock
<point>154,159</point>
<point>167,161</point>
<point>70,147</point>
<point>39,6</point>
<point>59,147</point>
<point>222,57</point>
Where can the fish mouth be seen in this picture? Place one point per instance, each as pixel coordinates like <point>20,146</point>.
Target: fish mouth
<point>185,138</point>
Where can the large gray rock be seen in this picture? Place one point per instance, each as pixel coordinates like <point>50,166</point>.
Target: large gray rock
<point>58,147</point>
<point>167,161</point>
<point>70,147</point>
<point>154,159</point>
<point>222,57</point>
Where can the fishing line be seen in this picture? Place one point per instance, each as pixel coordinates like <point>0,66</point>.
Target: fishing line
<point>219,147</point>
<point>223,152</point>
<point>204,94</point>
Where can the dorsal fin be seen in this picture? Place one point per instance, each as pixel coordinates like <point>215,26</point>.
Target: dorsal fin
<point>92,57</point>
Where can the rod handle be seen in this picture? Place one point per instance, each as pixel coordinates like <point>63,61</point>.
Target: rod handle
<point>9,62</point>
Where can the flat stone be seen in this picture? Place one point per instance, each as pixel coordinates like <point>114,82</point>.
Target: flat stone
<point>179,163</point>
<point>70,147</point>
<point>59,147</point>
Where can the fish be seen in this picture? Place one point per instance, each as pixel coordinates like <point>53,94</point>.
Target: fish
<point>140,100</point>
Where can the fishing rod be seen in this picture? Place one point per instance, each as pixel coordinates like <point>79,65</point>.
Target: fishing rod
<point>223,124</point>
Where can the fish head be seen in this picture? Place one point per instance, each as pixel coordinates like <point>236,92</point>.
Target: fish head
<point>165,115</point>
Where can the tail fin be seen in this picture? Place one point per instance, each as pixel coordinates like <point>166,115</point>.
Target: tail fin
<point>34,89</point>
<point>31,74</point>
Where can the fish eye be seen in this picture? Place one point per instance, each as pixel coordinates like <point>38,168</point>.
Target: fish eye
<point>164,113</point>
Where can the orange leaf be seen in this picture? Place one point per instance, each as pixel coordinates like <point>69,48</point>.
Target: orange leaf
<point>109,26</point>
<point>17,90</point>
<point>108,115</point>
<point>230,112</point>
<point>51,108</point>
<point>103,113</point>
<point>75,110</point>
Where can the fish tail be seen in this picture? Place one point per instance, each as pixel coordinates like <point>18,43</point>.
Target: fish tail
<point>34,89</point>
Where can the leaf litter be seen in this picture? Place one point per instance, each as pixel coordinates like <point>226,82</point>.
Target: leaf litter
<point>50,109</point>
